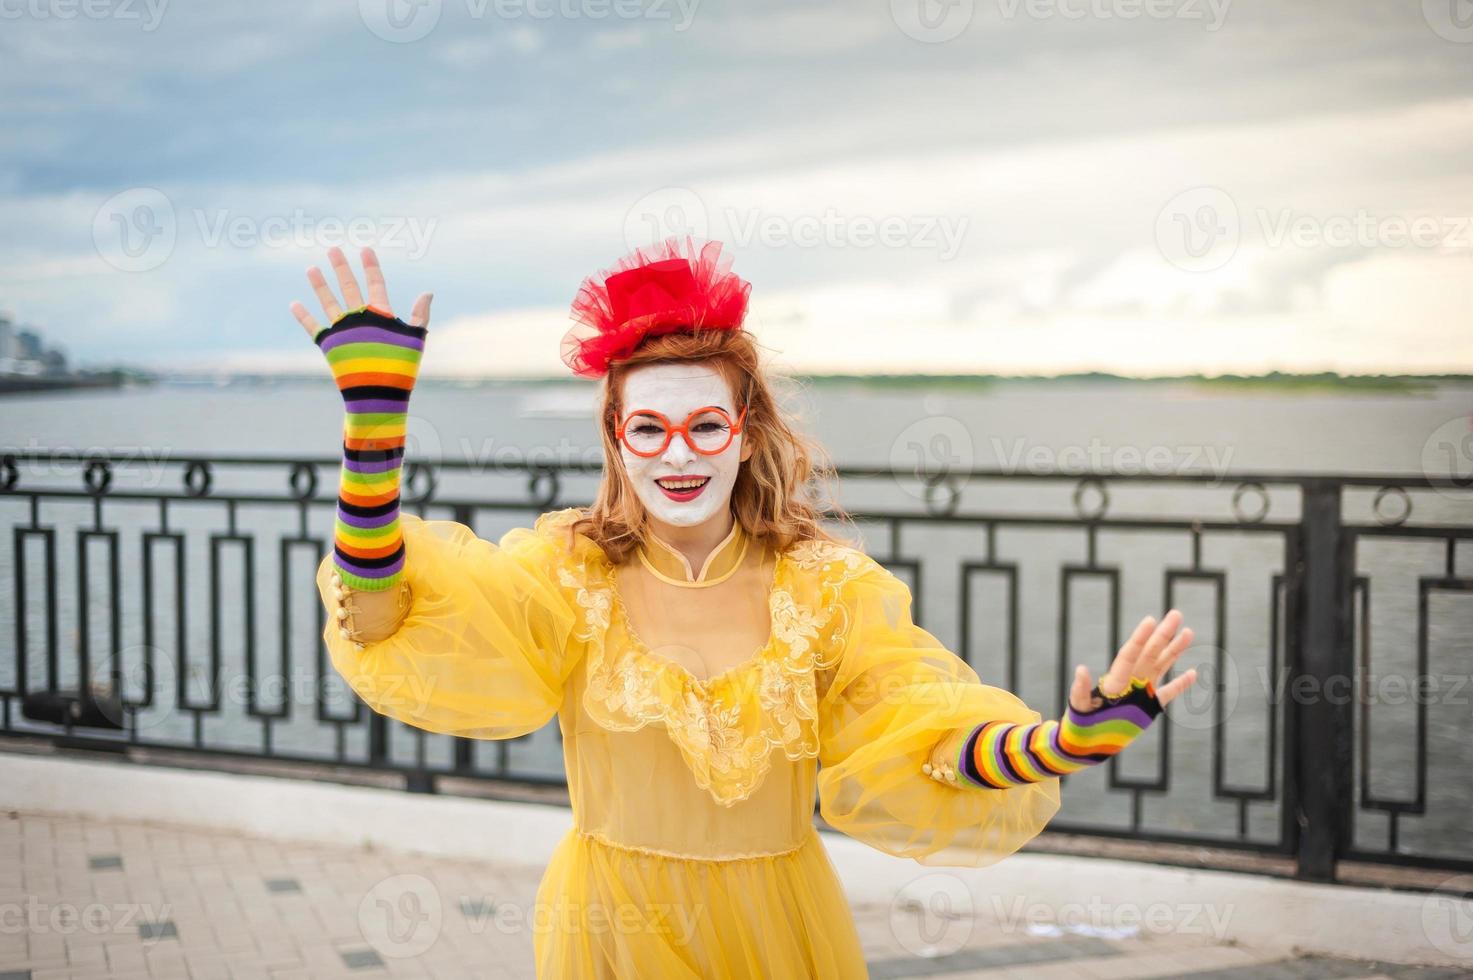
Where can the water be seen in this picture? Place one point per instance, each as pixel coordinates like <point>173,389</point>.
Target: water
<point>1027,428</point>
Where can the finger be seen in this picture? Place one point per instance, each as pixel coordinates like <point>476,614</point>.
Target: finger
<point>1159,649</point>
<point>305,318</point>
<point>352,296</point>
<point>1117,678</point>
<point>325,296</point>
<point>1171,654</point>
<point>373,274</point>
<point>1080,691</point>
<point>1168,693</point>
<point>1158,641</point>
<point>420,315</point>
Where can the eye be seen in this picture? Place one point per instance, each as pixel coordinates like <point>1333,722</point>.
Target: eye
<point>709,427</point>
<point>646,429</point>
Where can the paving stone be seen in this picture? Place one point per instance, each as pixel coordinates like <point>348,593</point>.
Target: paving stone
<point>157,930</point>
<point>203,904</point>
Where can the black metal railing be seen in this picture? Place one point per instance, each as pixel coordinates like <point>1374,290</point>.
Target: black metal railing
<point>1291,746</point>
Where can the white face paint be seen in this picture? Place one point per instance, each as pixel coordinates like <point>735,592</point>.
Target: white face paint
<point>676,390</point>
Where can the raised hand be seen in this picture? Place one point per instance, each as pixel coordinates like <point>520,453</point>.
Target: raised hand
<point>997,754</point>
<point>378,293</point>
<point>1145,658</point>
<point>374,357</point>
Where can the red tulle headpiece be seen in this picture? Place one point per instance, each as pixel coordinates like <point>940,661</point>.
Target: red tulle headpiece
<point>667,288</point>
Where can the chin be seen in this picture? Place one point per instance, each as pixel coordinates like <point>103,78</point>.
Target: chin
<point>682,516</point>
<point>692,514</point>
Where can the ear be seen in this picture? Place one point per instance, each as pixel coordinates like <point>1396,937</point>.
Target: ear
<point>748,447</point>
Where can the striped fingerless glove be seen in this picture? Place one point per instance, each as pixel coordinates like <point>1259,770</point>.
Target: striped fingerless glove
<point>374,358</point>
<point>999,754</point>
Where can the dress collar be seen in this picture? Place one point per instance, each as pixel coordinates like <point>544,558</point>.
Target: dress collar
<point>666,563</point>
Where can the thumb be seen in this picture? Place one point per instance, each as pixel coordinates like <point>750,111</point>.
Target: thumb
<point>420,315</point>
<point>1079,691</point>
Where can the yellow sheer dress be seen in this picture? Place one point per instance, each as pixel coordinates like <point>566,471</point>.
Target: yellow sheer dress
<point>701,710</point>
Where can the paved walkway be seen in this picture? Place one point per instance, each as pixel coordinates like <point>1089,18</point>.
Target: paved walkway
<point>83,900</point>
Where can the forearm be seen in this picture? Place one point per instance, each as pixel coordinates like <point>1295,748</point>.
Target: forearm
<point>375,360</point>
<point>998,754</point>
<point>369,616</point>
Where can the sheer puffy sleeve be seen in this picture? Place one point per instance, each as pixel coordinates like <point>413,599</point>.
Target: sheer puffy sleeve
<point>893,694</point>
<point>489,637</point>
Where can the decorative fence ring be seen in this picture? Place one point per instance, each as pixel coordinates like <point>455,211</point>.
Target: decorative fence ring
<point>1406,510</point>
<point>539,477</point>
<point>1079,489</point>
<point>9,473</point>
<point>953,494</point>
<point>1240,492</point>
<point>98,475</point>
<point>412,473</point>
<point>303,481</point>
<point>197,478</point>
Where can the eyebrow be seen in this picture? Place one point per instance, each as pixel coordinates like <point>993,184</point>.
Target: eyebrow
<point>720,405</point>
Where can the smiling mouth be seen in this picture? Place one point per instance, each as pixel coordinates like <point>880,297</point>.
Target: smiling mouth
<point>682,488</point>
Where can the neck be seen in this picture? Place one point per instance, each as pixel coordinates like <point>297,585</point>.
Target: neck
<point>697,542</point>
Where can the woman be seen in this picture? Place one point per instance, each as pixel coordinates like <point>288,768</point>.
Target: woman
<point>703,641</point>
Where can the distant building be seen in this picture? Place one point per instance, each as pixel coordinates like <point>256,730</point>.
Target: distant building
<point>54,361</point>
<point>9,343</point>
<point>30,345</point>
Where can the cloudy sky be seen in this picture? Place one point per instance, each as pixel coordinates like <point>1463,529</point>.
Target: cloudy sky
<point>1015,186</point>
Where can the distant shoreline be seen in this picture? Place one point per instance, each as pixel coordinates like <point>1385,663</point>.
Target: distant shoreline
<point>24,384</point>
<point>1273,381</point>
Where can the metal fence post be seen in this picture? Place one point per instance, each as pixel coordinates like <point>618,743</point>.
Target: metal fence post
<point>1321,688</point>
<point>378,740</point>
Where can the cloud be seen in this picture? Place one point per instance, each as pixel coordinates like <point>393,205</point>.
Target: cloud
<point>998,200</point>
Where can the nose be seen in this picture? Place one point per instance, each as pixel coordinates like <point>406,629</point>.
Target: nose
<point>679,452</point>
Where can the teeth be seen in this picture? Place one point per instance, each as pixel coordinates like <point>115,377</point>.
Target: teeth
<point>687,484</point>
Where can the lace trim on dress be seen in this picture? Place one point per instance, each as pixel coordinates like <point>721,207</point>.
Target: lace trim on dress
<point>726,726</point>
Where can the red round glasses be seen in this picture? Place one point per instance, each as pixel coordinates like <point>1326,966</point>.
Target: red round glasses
<point>707,431</point>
